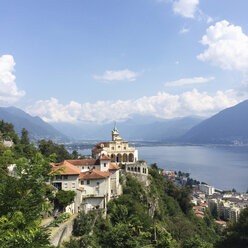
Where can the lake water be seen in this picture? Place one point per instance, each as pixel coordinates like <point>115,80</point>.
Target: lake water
<point>224,167</point>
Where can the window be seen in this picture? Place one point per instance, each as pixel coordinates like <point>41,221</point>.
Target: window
<point>119,147</point>
<point>65,177</point>
<point>94,167</point>
<point>125,148</point>
<point>104,164</point>
<point>82,182</point>
<point>97,183</point>
<point>58,177</point>
<point>88,181</point>
<point>113,148</point>
<point>65,185</point>
<point>73,185</point>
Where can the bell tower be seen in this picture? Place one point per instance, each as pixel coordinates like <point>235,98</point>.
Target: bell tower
<point>115,133</point>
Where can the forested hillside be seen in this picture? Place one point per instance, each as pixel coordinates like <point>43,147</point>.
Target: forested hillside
<point>159,215</point>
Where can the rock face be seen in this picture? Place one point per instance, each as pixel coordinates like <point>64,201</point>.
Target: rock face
<point>229,126</point>
<point>37,128</point>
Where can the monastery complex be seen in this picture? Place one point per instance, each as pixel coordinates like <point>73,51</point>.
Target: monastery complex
<point>97,180</point>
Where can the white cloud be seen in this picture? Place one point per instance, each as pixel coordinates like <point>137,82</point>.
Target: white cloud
<point>163,105</point>
<point>184,30</point>
<point>227,47</point>
<point>122,75</point>
<point>185,81</point>
<point>185,8</point>
<point>9,92</point>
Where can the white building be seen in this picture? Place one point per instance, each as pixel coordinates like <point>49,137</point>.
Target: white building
<point>207,189</point>
<point>95,181</point>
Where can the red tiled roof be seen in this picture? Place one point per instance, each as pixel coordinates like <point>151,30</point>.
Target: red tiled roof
<point>65,168</point>
<point>98,147</point>
<point>113,166</point>
<point>197,207</point>
<point>104,157</point>
<point>220,222</point>
<point>200,215</point>
<point>80,188</point>
<point>83,161</point>
<point>94,174</point>
<point>199,212</point>
<point>204,205</point>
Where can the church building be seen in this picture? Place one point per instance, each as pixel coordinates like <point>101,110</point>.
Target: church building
<point>118,150</point>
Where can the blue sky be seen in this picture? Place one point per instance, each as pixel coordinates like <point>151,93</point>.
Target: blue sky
<point>95,60</point>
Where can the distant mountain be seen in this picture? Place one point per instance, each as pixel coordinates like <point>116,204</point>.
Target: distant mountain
<point>230,126</point>
<point>137,128</point>
<point>37,128</point>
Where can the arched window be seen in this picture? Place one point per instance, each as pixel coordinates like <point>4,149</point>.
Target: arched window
<point>130,157</point>
<point>124,157</point>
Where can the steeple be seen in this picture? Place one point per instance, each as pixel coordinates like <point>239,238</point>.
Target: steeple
<point>115,133</point>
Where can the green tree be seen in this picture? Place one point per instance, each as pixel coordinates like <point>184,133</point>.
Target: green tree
<point>22,201</point>
<point>83,224</point>
<point>47,148</point>
<point>64,198</point>
<point>75,154</point>
<point>24,137</point>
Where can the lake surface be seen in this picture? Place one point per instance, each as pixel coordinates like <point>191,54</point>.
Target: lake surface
<point>224,167</point>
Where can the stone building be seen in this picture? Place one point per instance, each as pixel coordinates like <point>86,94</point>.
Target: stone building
<point>95,181</point>
<point>118,150</point>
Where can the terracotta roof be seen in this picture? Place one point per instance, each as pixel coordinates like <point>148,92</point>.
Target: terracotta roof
<point>83,161</point>
<point>80,188</point>
<point>65,168</point>
<point>104,157</point>
<point>94,174</point>
<point>220,222</point>
<point>113,166</point>
<point>98,147</point>
<point>200,215</point>
<point>197,207</point>
<point>199,212</point>
<point>204,205</point>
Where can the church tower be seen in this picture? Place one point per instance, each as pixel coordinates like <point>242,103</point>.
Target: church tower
<point>115,133</point>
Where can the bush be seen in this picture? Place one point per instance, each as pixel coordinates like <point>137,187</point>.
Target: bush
<point>64,198</point>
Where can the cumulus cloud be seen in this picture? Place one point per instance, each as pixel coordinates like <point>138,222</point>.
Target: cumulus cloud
<point>122,75</point>
<point>185,8</point>
<point>9,92</point>
<point>185,81</point>
<point>227,47</point>
<point>163,105</point>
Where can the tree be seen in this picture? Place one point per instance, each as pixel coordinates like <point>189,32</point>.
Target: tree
<point>64,198</point>
<point>48,148</point>
<point>75,154</point>
<point>82,224</point>
<point>24,138</point>
<point>22,201</point>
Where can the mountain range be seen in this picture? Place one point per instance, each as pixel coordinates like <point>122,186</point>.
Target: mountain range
<point>37,128</point>
<point>230,126</point>
<point>137,128</point>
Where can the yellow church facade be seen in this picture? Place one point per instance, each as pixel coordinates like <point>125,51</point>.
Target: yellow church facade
<point>118,150</point>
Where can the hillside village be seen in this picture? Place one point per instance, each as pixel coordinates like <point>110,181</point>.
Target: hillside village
<point>97,180</point>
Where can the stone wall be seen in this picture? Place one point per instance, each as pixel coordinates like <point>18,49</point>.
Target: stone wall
<point>64,231</point>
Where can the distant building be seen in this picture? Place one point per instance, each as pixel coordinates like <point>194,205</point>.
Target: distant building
<point>118,150</point>
<point>207,189</point>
